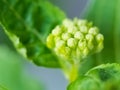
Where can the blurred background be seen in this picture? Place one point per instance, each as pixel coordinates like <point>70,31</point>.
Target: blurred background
<point>52,79</point>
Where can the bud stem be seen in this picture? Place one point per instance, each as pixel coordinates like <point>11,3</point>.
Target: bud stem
<point>70,70</point>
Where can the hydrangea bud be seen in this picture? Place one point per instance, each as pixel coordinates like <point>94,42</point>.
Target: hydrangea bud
<point>71,42</point>
<point>78,35</point>
<point>75,39</point>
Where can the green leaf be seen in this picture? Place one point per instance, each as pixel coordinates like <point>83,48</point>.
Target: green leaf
<point>12,76</point>
<point>106,15</point>
<point>105,72</point>
<point>3,88</point>
<point>84,83</point>
<point>103,77</point>
<point>29,22</point>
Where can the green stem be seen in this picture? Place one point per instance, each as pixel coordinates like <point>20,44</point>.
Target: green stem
<point>70,70</point>
<point>73,74</point>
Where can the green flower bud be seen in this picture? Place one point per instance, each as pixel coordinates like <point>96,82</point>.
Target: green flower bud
<point>60,43</point>
<point>89,37</point>
<point>50,40</point>
<point>66,52</point>
<point>56,31</point>
<point>84,29</point>
<point>82,45</point>
<point>56,39</point>
<point>63,52</point>
<point>67,23</point>
<point>72,30</point>
<point>78,53</point>
<point>99,37</point>
<point>73,40</point>
<point>85,52</point>
<point>81,22</point>
<point>94,30</point>
<point>78,35</point>
<point>66,36</point>
<point>90,45</point>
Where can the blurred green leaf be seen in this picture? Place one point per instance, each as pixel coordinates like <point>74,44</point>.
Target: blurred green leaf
<point>103,77</point>
<point>31,21</point>
<point>84,83</point>
<point>3,88</point>
<point>12,74</point>
<point>106,15</point>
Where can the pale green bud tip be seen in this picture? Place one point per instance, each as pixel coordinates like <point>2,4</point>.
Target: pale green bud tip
<point>71,42</point>
<point>83,29</point>
<point>72,29</point>
<point>56,31</point>
<point>80,22</point>
<point>66,36</point>
<point>67,23</point>
<point>60,43</point>
<point>78,35</point>
<point>50,41</point>
<point>89,37</point>
<point>99,37</point>
<point>75,39</point>
<point>94,30</point>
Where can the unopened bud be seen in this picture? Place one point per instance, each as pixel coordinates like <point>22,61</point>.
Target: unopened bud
<point>75,39</point>
<point>71,42</point>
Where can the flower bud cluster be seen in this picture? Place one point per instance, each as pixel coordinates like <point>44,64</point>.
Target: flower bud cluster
<point>75,39</point>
